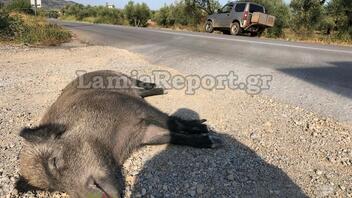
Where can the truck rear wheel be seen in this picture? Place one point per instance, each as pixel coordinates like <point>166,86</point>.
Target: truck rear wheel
<point>235,28</point>
<point>258,33</point>
<point>254,34</point>
<point>209,27</point>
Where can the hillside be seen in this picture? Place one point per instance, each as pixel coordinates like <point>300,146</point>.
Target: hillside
<point>51,4</point>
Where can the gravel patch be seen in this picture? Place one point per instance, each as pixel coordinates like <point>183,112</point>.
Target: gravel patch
<point>271,149</point>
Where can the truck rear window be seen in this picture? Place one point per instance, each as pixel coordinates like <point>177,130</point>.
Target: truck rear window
<point>240,7</point>
<point>255,8</point>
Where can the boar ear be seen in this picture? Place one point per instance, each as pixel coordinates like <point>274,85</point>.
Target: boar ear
<point>43,132</point>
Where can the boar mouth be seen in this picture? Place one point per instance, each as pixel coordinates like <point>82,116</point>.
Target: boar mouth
<point>104,189</point>
<point>101,189</point>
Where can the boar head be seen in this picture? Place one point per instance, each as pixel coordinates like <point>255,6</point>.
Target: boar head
<point>54,160</point>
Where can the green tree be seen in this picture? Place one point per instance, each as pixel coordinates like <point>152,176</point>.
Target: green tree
<point>306,15</point>
<point>184,12</point>
<point>137,14</point>
<point>163,16</point>
<point>340,14</point>
<point>209,6</point>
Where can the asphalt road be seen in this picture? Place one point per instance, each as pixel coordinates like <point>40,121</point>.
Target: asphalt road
<point>312,76</point>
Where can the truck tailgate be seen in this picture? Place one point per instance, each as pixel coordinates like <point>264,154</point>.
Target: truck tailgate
<point>263,19</point>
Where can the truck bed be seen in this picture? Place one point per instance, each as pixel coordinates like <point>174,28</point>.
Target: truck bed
<point>263,19</point>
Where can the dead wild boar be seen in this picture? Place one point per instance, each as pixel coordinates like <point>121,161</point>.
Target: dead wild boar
<point>93,127</point>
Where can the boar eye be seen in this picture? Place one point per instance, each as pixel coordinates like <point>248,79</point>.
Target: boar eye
<point>55,164</point>
<point>52,163</point>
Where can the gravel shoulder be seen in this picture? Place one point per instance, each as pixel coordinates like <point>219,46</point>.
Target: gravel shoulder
<point>271,149</point>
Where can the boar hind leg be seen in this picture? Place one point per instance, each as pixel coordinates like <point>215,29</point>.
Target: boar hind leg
<point>152,92</point>
<point>144,85</point>
<point>147,89</point>
<point>156,135</point>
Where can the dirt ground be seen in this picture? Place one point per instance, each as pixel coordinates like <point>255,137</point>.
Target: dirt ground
<point>271,149</point>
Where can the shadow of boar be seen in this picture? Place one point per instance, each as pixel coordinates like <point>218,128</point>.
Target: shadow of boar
<point>99,119</point>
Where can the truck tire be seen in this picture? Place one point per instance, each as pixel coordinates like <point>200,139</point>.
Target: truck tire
<point>209,27</point>
<point>235,28</point>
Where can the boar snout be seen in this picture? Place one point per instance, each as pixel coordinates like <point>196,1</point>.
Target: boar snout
<point>103,188</point>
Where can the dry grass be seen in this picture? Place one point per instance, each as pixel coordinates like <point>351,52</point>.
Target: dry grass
<point>35,30</point>
<point>316,37</point>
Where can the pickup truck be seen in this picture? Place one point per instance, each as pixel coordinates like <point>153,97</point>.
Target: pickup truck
<point>240,17</point>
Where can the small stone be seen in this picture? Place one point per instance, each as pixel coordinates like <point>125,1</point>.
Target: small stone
<point>138,195</point>
<point>342,187</point>
<point>331,159</point>
<point>165,187</point>
<point>200,188</point>
<point>268,124</point>
<point>254,136</point>
<point>13,179</point>
<point>318,172</point>
<point>230,177</point>
<point>144,191</point>
<point>299,123</point>
<point>325,190</point>
<point>192,193</point>
<point>130,179</point>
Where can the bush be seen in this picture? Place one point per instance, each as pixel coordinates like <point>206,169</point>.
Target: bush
<point>6,33</point>
<point>94,14</point>
<point>49,34</point>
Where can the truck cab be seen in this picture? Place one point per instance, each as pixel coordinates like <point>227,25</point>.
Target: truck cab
<point>236,17</point>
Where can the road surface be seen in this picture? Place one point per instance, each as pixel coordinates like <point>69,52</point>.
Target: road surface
<point>312,76</point>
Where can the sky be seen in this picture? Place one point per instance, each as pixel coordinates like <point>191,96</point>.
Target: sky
<point>153,4</point>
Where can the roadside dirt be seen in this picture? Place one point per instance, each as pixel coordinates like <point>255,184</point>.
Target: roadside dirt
<point>271,149</point>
